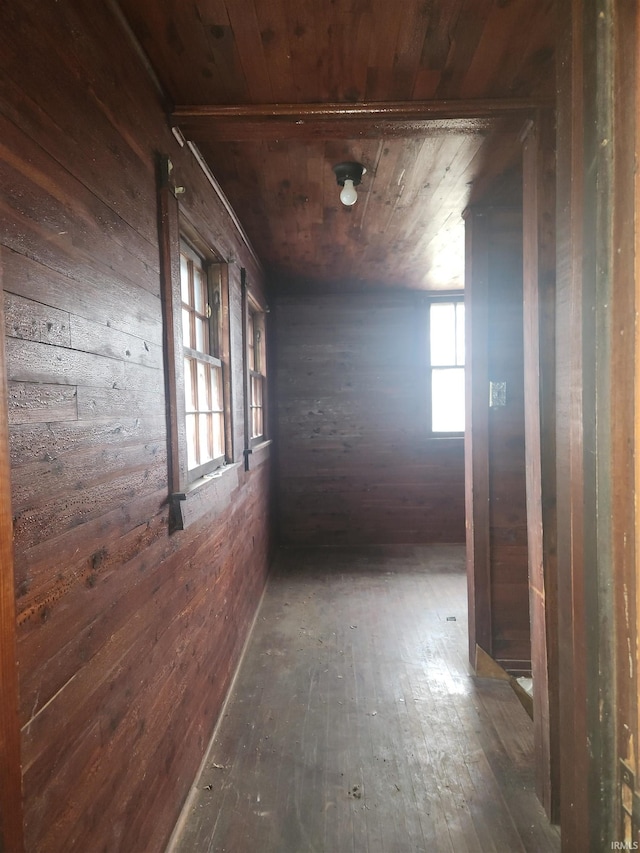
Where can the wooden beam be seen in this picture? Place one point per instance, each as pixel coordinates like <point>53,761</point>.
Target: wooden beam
<point>344,121</point>
<point>471,108</point>
<point>11,837</point>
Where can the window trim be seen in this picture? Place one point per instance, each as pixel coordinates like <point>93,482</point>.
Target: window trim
<point>217,338</point>
<point>252,306</point>
<point>175,224</point>
<point>444,297</point>
<point>255,322</point>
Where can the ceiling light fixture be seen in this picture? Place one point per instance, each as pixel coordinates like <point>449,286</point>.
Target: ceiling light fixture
<point>349,176</point>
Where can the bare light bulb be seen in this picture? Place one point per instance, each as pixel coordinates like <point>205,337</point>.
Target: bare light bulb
<point>348,195</point>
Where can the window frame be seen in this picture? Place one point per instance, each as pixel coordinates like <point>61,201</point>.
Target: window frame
<point>257,373</point>
<point>455,297</point>
<point>256,369</point>
<point>176,225</point>
<point>211,356</point>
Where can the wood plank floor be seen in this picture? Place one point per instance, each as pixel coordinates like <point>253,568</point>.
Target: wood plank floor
<point>355,724</point>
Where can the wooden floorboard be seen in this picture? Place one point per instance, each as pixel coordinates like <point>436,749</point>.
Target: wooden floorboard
<point>356,726</point>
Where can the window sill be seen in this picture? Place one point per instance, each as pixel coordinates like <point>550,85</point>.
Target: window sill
<point>445,436</point>
<point>259,453</point>
<point>209,495</point>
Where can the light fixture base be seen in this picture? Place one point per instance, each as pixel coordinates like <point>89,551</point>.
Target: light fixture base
<point>349,171</point>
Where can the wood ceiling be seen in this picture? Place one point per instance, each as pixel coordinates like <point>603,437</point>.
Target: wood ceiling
<point>430,95</point>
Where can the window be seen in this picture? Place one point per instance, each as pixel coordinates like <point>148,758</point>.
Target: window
<point>200,291</point>
<point>197,355</point>
<point>446,366</point>
<point>257,374</point>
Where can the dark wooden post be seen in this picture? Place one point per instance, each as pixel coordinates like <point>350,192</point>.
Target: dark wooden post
<point>476,444</point>
<point>539,268</point>
<point>495,440</point>
<point>592,474</point>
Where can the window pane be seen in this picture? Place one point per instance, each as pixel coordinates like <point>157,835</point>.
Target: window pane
<point>218,435</point>
<point>192,459</point>
<point>202,335</point>
<point>214,329</point>
<point>189,399</point>
<point>257,421</point>
<point>203,386</point>
<point>251,341</point>
<point>186,329</point>
<point>257,349</point>
<point>460,333</point>
<point>216,389</point>
<point>447,400</point>
<point>184,279</point>
<point>256,390</point>
<point>254,423</point>
<point>199,289</point>
<point>204,427</point>
<point>442,329</point>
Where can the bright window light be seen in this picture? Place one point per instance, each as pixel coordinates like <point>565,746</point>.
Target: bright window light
<point>446,352</point>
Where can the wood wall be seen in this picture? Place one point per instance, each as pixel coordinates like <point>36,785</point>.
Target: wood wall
<point>598,297</point>
<point>495,450</point>
<point>356,464</point>
<point>127,636</point>
<point>623,371</point>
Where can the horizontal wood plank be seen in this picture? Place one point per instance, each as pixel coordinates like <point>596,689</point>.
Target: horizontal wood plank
<point>41,403</point>
<point>357,462</point>
<point>105,596</point>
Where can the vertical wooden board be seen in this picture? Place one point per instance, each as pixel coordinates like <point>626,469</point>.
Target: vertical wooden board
<point>635,626</point>
<point>476,448</point>
<point>11,837</point>
<point>570,481</point>
<point>625,374</point>
<point>494,445</point>
<point>246,30</point>
<point>274,37</point>
<point>539,349</point>
<point>169,240</point>
<point>507,486</point>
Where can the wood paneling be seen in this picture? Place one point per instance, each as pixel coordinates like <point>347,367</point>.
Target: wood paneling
<point>597,427</point>
<point>570,481</point>
<point>356,463</point>
<point>115,617</point>
<point>406,229</point>
<point>626,265</point>
<point>11,834</point>
<point>430,100</point>
<point>476,445</point>
<point>495,460</point>
<point>276,51</point>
